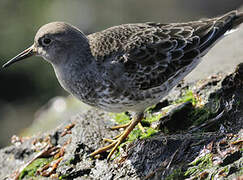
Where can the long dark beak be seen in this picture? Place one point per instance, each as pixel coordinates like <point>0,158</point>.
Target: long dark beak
<point>23,55</point>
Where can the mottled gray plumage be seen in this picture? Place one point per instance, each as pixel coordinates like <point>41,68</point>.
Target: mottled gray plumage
<point>133,66</point>
<point>127,67</point>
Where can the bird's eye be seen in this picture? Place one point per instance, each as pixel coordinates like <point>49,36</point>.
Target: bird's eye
<point>46,41</point>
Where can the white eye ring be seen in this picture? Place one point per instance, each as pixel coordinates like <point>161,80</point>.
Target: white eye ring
<point>46,41</point>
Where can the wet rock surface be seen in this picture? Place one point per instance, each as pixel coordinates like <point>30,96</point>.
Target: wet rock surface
<point>199,136</point>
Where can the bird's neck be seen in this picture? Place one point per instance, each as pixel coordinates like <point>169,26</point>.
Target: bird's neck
<point>75,73</point>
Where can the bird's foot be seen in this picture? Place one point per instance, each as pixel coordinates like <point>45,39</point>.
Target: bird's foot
<point>113,146</point>
<point>120,138</point>
<point>120,126</point>
<point>140,126</point>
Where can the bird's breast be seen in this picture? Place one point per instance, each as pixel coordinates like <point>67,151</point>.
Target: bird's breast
<point>81,84</point>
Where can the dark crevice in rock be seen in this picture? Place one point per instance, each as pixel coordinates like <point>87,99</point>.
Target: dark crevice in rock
<point>231,158</point>
<point>19,153</point>
<point>78,173</point>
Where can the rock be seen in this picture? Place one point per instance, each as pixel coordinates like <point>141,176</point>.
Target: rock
<point>199,136</point>
<point>175,119</point>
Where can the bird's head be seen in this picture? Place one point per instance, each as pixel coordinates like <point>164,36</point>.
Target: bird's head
<point>55,42</point>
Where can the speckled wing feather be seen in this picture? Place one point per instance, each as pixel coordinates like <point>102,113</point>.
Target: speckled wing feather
<point>151,53</point>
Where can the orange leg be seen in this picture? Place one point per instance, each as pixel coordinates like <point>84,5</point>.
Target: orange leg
<point>140,126</point>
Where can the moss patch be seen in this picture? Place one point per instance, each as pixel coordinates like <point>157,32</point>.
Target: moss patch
<point>30,171</point>
<point>152,118</point>
<point>199,165</point>
<point>149,132</point>
<point>120,118</point>
<point>137,133</point>
<point>188,96</point>
<point>199,113</point>
<point>202,114</point>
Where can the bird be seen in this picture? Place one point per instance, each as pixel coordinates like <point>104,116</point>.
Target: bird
<point>127,67</point>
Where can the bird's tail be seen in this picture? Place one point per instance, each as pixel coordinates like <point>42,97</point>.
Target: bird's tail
<point>222,26</point>
<point>237,20</point>
<point>230,20</point>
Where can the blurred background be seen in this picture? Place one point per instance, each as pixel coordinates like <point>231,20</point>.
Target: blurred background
<point>27,86</point>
